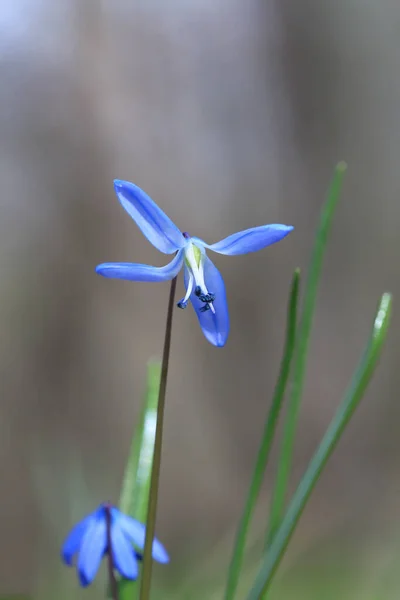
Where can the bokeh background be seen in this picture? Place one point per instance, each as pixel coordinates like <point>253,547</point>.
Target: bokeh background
<point>229,114</point>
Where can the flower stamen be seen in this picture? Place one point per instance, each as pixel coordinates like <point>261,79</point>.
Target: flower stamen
<point>207,298</point>
<point>194,261</point>
<point>206,307</point>
<point>184,301</point>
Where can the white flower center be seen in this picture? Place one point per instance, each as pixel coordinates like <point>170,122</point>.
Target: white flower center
<point>194,260</point>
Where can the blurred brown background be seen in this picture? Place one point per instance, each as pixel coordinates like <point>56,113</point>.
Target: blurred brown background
<point>230,115</point>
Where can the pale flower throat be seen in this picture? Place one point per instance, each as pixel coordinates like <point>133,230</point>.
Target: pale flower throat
<point>194,262</point>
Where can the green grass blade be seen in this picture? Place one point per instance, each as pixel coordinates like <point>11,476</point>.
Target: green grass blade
<point>266,442</point>
<point>301,351</point>
<point>346,409</point>
<point>136,484</point>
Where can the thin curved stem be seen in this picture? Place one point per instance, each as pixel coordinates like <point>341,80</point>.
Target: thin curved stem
<point>351,400</point>
<point>266,442</point>
<point>155,473</point>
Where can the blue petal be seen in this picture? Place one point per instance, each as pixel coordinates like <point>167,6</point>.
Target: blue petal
<point>124,555</point>
<point>136,272</point>
<point>215,326</point>
<point>94,545</point>
<point>73,540</point>
<point>251,240</point>
<point>136,532</point>
<point>153,222</point>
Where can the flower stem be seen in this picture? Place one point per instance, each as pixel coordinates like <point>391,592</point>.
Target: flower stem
<point>110,558</point>
<point>155,472</point>
<point>266,442</point>
<point>351,400</point>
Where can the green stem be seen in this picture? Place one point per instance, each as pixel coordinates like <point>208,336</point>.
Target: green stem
<point>346,409</point>
<point>300,358</point>
<point>155,472</point>
<point>266,442</point>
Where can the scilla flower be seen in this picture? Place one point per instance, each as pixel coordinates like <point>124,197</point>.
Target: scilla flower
<point>107,530</point>
<point>204,285</point>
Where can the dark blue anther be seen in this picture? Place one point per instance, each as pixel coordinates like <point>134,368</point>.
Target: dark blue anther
<point>181,304</point>
<point>206,298</point>
<point>205,308</point>
<point>210,297</point>
<point>186,235</point>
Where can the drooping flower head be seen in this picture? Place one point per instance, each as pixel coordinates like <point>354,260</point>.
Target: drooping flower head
<point>89,540</point>
<point>204,284</point>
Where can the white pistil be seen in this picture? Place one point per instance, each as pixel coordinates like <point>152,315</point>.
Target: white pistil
<point>196,272</point>
<point>189,288</point>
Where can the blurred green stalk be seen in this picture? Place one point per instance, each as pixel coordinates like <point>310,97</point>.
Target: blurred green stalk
<point>266,442</point>
<point>346,409</point>
<point>136,483</point>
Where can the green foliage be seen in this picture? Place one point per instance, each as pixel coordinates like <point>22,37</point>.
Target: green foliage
<point>246,569</point>
<point>346,409</point>
<point>266,442</point>
<point>136,484</point>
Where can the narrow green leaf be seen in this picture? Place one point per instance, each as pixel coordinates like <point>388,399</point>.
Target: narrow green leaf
<point>346,409</point>
<point>136,484</point>
<point>301,351</point>
<point>266,442</point>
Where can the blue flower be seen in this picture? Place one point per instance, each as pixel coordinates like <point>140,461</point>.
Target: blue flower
<point>204,285</point>
<point>89,540</point>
